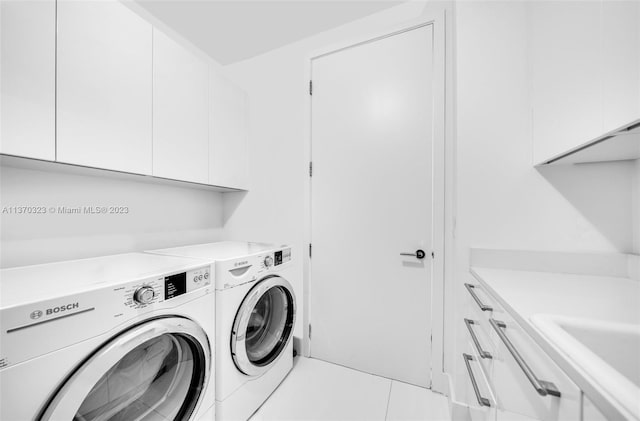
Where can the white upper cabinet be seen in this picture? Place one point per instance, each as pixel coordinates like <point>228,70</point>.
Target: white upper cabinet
<point>566,75</point>
<point>180,112</point>
<point>621,60</point>
<point>104,86</point>
<point>228,134</point>
<point>27,78</point>
<point>585,70</point>
<point>110,91</point>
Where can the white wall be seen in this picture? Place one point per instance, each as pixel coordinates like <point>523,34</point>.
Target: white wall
<point>160,216</point>
<point>277,84</point>
<point>636,208</point>
<point>502,201</point>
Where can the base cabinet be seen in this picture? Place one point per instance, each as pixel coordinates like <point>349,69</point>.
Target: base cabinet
<point>590,412</point>
<point>518,365</point>
<point>509,362</point>
<point>27,78</point>
<point>479,393</point>
<point>476,363</point>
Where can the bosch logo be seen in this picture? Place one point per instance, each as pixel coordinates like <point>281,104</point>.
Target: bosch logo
<point>60,309</point>
<point>35,314</point>
<point>243,263</point>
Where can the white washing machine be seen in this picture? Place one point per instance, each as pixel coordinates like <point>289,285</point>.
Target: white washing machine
<point>124,337</point>
<point>255,317</point>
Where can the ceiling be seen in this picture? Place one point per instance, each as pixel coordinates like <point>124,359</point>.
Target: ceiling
<point>231,31</point>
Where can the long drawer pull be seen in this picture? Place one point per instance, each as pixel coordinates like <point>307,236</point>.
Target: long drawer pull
<point>482,352</point>
<point>482,306</point>
<point>482,401</point>
<point>543,388</point>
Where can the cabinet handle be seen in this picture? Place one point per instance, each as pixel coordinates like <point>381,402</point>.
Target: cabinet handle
<point>482,401</point>
<point>543,388</point>
<point>482,306</point>
<point>482,352</point>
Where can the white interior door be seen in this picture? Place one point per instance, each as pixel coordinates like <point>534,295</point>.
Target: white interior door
<point>372,118</point>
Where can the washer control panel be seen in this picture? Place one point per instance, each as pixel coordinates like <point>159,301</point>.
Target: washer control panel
<point>166,287</point>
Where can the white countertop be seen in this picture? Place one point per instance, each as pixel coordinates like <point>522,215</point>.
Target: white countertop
<point>613,299</point>
<point>526,293</point>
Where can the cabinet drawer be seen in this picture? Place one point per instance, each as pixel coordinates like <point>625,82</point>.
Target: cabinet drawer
<point>479,334</point>
<point>481,300</point>
<point>479,341</point>
<point>480,395</point>
<point>480,308</point>
<point>526,380</point>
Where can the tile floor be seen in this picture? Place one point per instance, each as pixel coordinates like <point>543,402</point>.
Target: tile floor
<point>317,390</point>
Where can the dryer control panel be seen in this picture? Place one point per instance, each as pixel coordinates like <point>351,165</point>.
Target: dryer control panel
<point>276,258</point>
<point>282,256</point>
<point>240,270</point>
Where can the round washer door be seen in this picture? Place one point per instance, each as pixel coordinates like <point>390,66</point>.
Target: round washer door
<point>156,370</point>
<point>263,326</point>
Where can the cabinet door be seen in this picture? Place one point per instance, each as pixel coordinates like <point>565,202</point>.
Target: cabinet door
<point>229,133</point>
<point>104,86</point>
<point>515,392</point>
<point>590,412</point>
<point>621,60</point>
<point>27,78</point>
<point>566,75</point>
<point>180,112</point>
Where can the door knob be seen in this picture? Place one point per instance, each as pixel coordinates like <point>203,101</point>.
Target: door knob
<point>419,254</point>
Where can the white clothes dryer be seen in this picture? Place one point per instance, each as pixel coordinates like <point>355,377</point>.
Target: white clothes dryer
<point>124,337</point>
<point>255,317</point>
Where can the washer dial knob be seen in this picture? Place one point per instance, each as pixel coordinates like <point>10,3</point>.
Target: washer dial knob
<point>268,261</point>
<point>144,295</point>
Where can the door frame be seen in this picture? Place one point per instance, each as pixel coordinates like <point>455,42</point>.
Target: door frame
<point>439,16</point>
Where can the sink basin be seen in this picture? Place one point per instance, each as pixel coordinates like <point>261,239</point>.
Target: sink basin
<point>606,353</point>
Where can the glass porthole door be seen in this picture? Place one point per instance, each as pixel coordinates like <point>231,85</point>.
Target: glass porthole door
<point>263,326</point>
<point>155,371</point>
